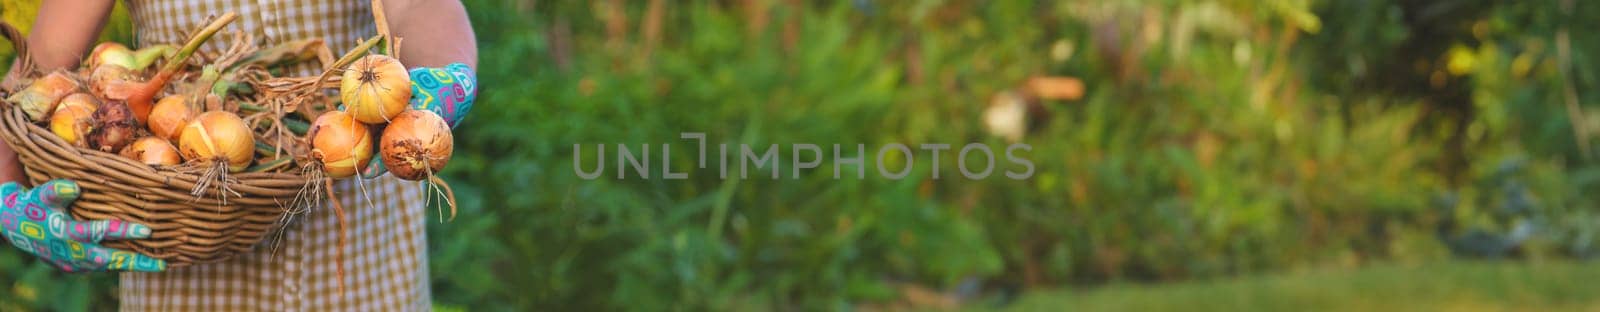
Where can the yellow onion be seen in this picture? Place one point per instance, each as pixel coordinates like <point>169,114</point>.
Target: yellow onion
<point>375,89</point>
<point>218,136</point>
<point>73,119</point>
<point>81,100</point>
<point>105,75</point>
<point>40,97</point>
<point>169,116</point>
<point>416,144</point>
<point>152,151</point>
<point>111,53</point>
<point>342,144</point>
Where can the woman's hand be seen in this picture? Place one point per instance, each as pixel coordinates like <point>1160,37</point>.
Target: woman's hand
<point>34,221</point>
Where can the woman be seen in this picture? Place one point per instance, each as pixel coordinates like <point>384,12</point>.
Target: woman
<point>385,263</point>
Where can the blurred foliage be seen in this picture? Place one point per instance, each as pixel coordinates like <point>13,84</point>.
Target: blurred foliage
<point>1447,285</point>
<point>1215,138</point>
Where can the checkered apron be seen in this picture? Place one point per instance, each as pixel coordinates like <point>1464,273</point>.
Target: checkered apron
<point>386,264</point>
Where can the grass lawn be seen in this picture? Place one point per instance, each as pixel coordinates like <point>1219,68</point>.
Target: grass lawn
<point>1448,286</point>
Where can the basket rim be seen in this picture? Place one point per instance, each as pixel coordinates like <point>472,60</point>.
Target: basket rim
<point>209,227</point>
<point>12,117</point>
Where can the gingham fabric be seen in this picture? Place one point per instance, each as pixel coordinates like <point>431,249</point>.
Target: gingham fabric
<point>341,23</point>
<point>385,263</point>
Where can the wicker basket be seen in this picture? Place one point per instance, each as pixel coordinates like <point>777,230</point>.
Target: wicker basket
<point>185,229</point>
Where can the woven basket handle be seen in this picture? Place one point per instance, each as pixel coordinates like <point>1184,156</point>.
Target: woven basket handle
<point>19,43</point>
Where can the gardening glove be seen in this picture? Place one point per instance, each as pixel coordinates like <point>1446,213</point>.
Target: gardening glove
<point>447,91</point>
<point>34,221</point>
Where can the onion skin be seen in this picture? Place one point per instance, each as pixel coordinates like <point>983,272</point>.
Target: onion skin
<point>114,127</point>
<point>375,89</point>
<point>74,118</point>
<point>218,136</point>
<point>341,143</point>
<point>153,151</point>
<point>416,144</point>
<point>40,97</point>
<point>169,116</point>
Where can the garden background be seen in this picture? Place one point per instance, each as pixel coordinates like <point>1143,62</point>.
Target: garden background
<point>1352,154</point>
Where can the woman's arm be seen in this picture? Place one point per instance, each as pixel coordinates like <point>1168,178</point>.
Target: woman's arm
<point>61,34</point>
<point>64,30</point>
<point>434,33</point>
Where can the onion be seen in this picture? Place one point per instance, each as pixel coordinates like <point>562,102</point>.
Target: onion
<point>40,98</point>
<point>220,137</point>
<point>169,116</point>
<point>111,53</point>
<point>375,89</point>
<point>80,99</point>
<point>106,75</point>
<point>114,127</point>
<point>73,117</point>
<point>416,144</point>
<point>342,144</point>
<point>152,151</point>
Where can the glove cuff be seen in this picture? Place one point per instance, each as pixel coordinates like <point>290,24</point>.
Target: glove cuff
<point>448,91</point>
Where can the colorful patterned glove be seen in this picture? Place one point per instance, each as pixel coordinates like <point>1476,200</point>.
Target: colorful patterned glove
<point>35,222</point>
<point>447,91</point>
